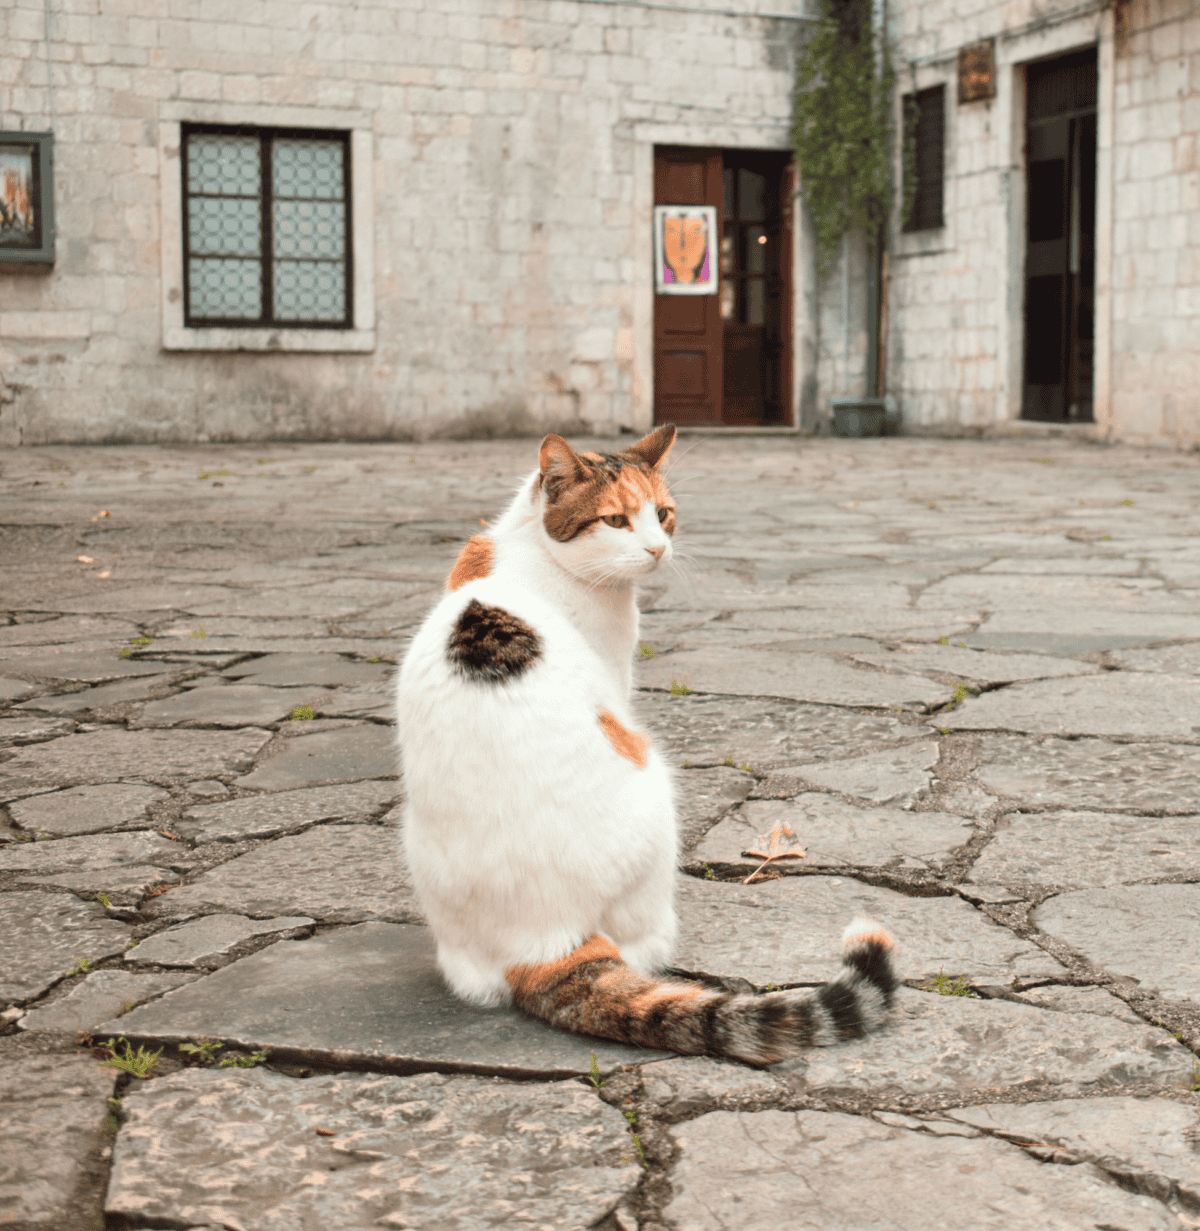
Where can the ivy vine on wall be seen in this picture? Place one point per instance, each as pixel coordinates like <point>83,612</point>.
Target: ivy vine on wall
<point>842,126</point>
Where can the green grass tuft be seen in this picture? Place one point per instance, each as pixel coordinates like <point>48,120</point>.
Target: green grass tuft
<point>302,713</point>
<point>138,1063</point>
<point>946,986</point>
<point>680,690</point>
<point>594,1076</point>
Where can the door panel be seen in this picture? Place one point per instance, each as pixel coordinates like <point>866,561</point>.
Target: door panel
<point>1060,151</point>
<point>726,358</point>
<point>687,328</point>
<point>756,269</point>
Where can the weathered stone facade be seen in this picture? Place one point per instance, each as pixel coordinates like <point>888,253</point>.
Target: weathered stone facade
<point>511,144</point>
<point>503,161</point>
<point>955,339</point>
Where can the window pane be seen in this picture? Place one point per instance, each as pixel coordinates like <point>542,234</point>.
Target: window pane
<point>751,207</point>
<point>224,226</point>
<point>756,250</point>
<point>222,166</point>
<point>755,301</point>
<point>311,169</point>
<point>219,288</point>
<point>310,228</point>
<point>310,291</point>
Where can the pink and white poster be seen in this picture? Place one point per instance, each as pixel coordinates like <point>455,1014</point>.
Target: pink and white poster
<point>685,245</point>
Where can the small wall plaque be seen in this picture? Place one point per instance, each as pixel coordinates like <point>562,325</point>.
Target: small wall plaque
<point>977,71</point>
<point>27,198</point>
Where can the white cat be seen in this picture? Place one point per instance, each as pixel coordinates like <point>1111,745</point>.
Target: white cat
<point>540,828</point>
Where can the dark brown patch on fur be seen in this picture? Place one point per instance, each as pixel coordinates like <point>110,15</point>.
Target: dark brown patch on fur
<point>489,644</point>
<point>581,488</point>
<point>632,745</point>
<point>474,562</point>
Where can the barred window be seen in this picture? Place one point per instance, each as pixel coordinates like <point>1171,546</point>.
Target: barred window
<point>924,158</point>
<point>266,235</point>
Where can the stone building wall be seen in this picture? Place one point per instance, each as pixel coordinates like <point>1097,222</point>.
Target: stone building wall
<point>511,145</point>
<point>955,327</point>
<point>1156,222</point>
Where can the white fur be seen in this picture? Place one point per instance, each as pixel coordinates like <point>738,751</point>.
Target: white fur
<point>525,831</point>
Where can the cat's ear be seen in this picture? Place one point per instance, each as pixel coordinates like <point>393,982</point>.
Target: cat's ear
<point>561,465</point>
<point>654,448</point>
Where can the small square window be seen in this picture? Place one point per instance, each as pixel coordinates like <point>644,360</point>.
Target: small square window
<point>924,159</point>
<point>266,228</point>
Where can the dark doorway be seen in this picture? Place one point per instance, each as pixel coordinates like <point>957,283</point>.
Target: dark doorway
<point>726,358</point>
<point>1060,260</point>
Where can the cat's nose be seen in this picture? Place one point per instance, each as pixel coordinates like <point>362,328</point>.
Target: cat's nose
<point>656,552</point>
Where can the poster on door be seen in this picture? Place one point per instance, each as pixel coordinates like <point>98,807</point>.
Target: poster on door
<point>685,243</point>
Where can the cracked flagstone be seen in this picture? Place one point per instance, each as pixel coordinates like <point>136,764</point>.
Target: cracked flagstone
<point>355,1150</point>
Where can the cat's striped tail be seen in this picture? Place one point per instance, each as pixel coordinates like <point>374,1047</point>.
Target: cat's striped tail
<point>592,991</point>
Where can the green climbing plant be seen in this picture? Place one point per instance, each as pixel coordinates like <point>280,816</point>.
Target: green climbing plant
<point>842,128</point>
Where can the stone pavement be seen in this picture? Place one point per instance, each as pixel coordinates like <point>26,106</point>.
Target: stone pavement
<point>964,675</point>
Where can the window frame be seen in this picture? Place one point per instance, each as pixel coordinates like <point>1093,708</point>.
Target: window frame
<point>916,221</point>
<point>266,136</point>
<point>360,336</point>
<point>42,160</point>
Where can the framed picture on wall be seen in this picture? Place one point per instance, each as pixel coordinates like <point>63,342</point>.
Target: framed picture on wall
<point>27,198</point>
<point>685,249</point>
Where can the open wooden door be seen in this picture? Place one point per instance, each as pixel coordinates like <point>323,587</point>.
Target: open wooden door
<point>688,338</point>
<point>726,358</point>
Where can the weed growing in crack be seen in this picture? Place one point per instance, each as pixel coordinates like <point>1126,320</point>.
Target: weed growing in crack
<point>946,986</point>
<point>961,693</point>
<point>631,1116</point>
<point>250,1061</point>
<point>203,1049</point>
<point>647,649</point>
<point>302,713</point>
<point>199,632</point>
<point>81,967</point>
<point>594,1076</point>
<point>745,767</point>
<point>102,898</point>
<point>709,874</point>
<point>138,1063</point>
<point>680,690</point>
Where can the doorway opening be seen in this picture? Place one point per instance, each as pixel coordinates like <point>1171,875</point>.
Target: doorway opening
<point>1060,247</point>
<point>726,358</point>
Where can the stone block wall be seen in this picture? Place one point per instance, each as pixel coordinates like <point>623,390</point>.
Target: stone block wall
<point>512,169</point>
<point>1156,222</point>
<point>955,329</point>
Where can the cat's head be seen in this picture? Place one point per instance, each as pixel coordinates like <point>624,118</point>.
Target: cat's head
<point>607,517</point>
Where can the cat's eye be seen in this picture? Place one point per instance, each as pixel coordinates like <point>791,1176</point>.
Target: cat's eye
<point>618,521</point>
<point>663,512</point>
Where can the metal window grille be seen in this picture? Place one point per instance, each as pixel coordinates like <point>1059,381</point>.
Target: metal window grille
<point>924,138</point>
<point>266,228</point>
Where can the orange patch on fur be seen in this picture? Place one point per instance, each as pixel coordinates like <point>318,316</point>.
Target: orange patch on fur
<point>528,980</point>
<point>864,931</point>
<point>474,562</point>
<point>632,745</point>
